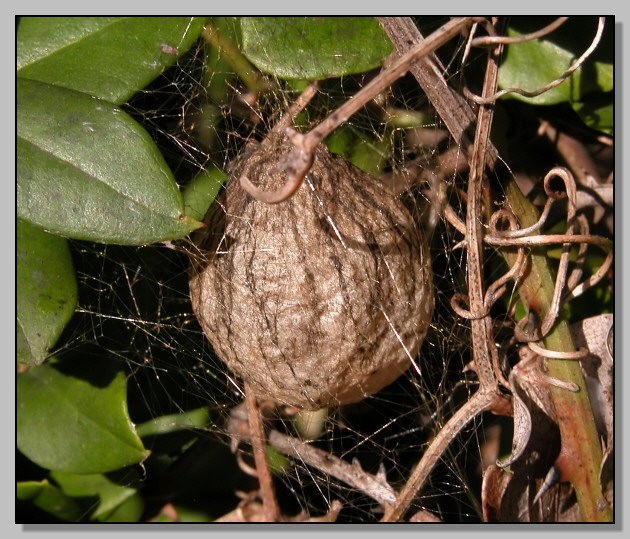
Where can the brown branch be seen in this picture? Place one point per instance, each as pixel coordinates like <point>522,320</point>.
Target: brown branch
<point>578,436</point>
<point>505,40</point>
<point>351,474</point>
<point>485,354</point>
<point>478,403</point>
<point>451,107</point>
<point>271,511</point>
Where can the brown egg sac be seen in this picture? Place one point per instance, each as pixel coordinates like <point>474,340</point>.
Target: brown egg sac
<point>320,300</point>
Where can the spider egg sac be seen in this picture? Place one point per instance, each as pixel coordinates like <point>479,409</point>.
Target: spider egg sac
<point>320,300</point>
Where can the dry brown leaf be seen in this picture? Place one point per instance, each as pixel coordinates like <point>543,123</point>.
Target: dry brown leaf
<point>596,334</point>
<point>529,492</point>
<point>534,412</point>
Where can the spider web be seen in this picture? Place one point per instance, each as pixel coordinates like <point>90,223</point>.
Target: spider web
<point>134,306</point>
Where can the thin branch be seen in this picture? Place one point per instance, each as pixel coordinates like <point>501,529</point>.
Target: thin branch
<point>451,107</point>
<point>374,486</point>
<point>478,403</point>
<point>399,68</point>
<point>485,354</point>
<point>257,437</point>
<point>351,474</point>
<point>505,40</point>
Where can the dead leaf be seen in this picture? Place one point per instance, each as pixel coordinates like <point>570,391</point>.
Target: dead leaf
<point>495,481</point>
<point>596,335</point>
<point>525,492</point>
<point>532,405</point>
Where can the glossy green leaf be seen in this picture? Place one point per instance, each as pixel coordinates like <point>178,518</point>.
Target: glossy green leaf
<point>130,510</point>
<point>72,416</point>
<point>202,190</point>
<point>46,291</point>
<point>108,57</point>
<point>313,48</point>
<point>86,170</point>
<point>109,493</point>
<point>534,64</point>
<point>50,499</point>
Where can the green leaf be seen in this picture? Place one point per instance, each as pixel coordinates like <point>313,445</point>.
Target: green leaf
<point>49,498</point>
<point>597,113</point>
<point>313,48</point>
<point>108,57</point>
<point>197,418</point>
<point>534,64</point>
<point>86,170</point>
<point>278,463</point>
<point>110,494</point>
<point>72,417</point>
<point>130,510</point>
<point>202,190</point>
<point>368,154</point>
<point>46,291</point>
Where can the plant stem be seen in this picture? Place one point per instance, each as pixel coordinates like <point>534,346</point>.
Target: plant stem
<point>581,453</point>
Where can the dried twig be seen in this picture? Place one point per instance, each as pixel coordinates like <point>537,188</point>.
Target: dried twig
<point>485,354</point>
<point>257,436</point>
<point>505,40</point>
<point>578,437</point>
<point>451,107</point>
<point>375,487</point>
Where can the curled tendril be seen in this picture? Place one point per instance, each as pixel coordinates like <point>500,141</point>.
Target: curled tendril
<point>494,292</point>
<point>457,300</point>
<point>527,329</point>
<point>553,196</point>
<point>503,231</point>
<point>530,367</point>
<point>491,99</point>
<point>565,287</point>
<point>300,162</point>
<point>494,39</point>
<point>552,354</point>
<point>498,287</point>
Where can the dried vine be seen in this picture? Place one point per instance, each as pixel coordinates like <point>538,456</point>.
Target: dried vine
<point>579,441</point>
<point>514,231</point>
